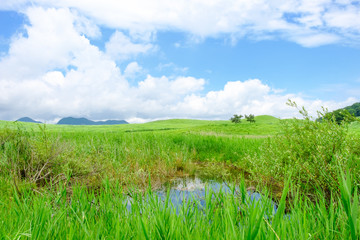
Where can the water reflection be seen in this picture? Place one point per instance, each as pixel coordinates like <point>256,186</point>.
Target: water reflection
<point>194,190</point>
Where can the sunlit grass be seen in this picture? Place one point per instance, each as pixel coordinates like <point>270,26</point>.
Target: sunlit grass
<point>107,214</point>
<point>73,182</point>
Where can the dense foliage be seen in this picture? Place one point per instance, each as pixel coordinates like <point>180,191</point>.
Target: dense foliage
<point>250,118</point>
<point>347,114</point>
<point>236,118</point>
<point>312,153</point>
<point>354,109</point>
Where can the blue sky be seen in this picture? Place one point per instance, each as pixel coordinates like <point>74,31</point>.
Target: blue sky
<point>149,60</point>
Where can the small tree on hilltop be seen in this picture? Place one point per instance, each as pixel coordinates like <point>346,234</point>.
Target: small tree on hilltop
<point>236,118</point>
<point>250,118</point>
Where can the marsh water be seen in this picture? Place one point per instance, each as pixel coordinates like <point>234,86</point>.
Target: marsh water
<point>194,189</point>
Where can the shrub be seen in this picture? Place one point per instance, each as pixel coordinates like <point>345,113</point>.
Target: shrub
<point>312,152</point>
<point>29,157</point>
<point>37,159</point>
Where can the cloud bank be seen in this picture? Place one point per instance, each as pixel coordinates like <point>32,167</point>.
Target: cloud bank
<point>54,71</point>
<point>306,22</point>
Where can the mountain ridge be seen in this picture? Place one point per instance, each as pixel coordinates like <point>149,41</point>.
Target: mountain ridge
<point>27,119</point>
<point>85,121</point>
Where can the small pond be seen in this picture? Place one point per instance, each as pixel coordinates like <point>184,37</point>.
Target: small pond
<point>195,189</point>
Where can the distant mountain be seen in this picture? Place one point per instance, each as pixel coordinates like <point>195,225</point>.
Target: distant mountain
<point>111,122</point>
<point>27,119</point>
<point>85,121</point>
<point>75,121</point>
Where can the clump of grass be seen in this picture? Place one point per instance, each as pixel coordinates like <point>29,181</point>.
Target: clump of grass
<point>28,158</point>
<point>33,160</point>
<point>350,203</point>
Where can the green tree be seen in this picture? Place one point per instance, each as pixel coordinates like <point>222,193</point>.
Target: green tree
<point>236,118</point>
<point>250,118</point>
<point>340,116</point>
<point>343,115</point>
<point>354,109</point>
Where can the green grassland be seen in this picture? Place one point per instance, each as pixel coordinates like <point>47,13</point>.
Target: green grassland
<point>71,182</point>
<point>264,125</point>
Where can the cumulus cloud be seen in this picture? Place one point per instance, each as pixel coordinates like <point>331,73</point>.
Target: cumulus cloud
<point>48,45</point>
<point>86,26</point>
<point>167,91</point>
<point>55,69</point>
<point>132,69</point>
<point>251,96</point>
<point>120,47</point>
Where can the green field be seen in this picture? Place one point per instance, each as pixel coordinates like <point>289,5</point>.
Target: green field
<point>72,182</point>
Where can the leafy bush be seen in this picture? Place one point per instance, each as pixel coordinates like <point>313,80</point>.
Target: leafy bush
<point>312,152</point>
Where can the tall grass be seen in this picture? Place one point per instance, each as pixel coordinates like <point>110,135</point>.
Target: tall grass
<point>106,214</point>
<point>36,158</point>
<point>312,152</point>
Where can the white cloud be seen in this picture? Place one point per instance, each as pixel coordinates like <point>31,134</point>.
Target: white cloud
<point>86,26</point>
<point>132,70</point>
<point>251,96</point>
<point>29,79</point>
<point>260,19</point>
<point>55,79</point>
<point>314,39</point>
<point>165,91</point>
<point>344,18</point>
<point>120,47</point>
<point>49,44</point>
